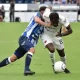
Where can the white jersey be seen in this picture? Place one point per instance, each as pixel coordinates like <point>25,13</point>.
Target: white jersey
<point>49,35</point>
<point>53,30</point>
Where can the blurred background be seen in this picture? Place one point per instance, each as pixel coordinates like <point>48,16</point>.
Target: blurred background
<point>22,10</point>
<point>42,1</point>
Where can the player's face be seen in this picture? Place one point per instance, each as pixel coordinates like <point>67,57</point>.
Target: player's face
<point>55,22</point>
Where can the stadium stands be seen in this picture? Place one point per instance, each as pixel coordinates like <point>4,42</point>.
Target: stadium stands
<point>42,1</point>
<point>17,1</point>
<point>27,8</point>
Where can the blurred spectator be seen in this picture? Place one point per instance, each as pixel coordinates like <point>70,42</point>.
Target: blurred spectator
<point>1,19</point>
<point>69,2</point>
<point>78,2</point>
<point>37,1</point>
<point>3,1</point>
<point>74,1</point>
<point>2,13</point>
<point>78,12</point>
<point>64,1</point>
<point>56,2</point>
<point>12,5</point>
<point>48,2</point>
<point>24,1</point>
<point>41,1</point>
<point>21,1</point>
<point>29,1</point>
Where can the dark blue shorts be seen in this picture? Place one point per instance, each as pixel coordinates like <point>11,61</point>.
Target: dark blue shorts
<point>24,46</point>
<point>19,52</point>
<point>25,43</point>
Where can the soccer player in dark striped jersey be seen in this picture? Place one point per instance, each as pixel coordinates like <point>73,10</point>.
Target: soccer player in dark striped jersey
<point>28,41</point>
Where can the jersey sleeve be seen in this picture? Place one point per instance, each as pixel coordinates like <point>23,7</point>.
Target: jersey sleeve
<point>64,21</point>
<point>37,14</point>
<point>46,15</point>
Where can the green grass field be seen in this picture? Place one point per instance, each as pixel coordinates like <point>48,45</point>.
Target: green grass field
<point>41,64</point>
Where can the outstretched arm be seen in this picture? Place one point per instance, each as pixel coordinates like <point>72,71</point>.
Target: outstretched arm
<point>39,21</point>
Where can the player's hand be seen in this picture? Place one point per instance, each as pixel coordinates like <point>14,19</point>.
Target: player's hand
<point>59,34</point>
<point>48,25</point>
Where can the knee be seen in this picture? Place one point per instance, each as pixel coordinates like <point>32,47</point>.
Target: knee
<point>52,50</point>
<point>13,58</point>
<point>50,47</point>
<point>32,50</point>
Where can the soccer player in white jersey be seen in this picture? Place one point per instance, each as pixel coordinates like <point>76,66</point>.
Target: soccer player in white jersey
<point>27,41</point>
<point>52,36</point>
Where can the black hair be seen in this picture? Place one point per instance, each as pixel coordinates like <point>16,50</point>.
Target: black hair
<point>54,16</point>
<point>42,8</point>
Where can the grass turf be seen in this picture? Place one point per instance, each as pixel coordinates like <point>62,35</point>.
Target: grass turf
<point>9,34</point>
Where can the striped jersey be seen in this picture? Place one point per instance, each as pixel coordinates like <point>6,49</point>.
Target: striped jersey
<point>33,30</point>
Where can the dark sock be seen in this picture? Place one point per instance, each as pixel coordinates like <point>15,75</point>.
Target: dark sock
<point>4,62</point>
<point>27,61</point>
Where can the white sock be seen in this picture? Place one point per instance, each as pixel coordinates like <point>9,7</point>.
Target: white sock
<point>30,53</point>
<point>9,59</point>
<point>52,57</point>
<point>63,59</point>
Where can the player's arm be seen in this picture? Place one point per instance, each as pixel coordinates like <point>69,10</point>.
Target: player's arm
<point>39,21</point>
<point>67,31</point>
<point>67,28</point>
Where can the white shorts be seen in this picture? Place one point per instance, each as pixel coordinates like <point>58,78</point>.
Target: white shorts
<point>57,41</point>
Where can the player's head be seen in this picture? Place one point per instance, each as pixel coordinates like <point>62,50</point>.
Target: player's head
<point>42,8</point>
<point>54,18</point>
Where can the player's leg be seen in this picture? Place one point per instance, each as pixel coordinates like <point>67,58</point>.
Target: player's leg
<point>19,52</point>
<point>25,43</point>
<point>7,61</point>
<point>28,59</point>
<point>60,49</point>
<point>51,49</point>
<point>63,58</point>
<point>48,43</point>
<point>62,55</point>
<point>58,42</point>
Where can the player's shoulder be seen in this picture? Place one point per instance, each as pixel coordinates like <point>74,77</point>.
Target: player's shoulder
<point>38,14</point>
<point>62,18</point>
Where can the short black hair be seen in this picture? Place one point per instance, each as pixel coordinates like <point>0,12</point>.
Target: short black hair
<point>42,8</point>
<point>54,16</point>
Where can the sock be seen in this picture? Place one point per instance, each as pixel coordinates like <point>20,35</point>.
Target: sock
<point>63,59</point>
<point>28,60</point>
<point>5,62</point>
<point>52,57</point>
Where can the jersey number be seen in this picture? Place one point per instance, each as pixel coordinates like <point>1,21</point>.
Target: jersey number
<point>61,42</point>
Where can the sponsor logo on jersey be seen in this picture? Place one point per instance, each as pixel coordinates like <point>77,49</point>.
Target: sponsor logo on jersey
<point>45,41</point>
